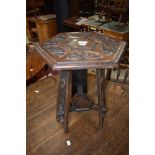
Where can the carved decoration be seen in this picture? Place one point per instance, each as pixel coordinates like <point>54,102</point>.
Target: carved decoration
<point>68,43</point>
<point>81,50</point>
<point>62,99</point>
<point>60,110</point>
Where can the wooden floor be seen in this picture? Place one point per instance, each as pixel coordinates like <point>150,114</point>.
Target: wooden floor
<point>45,136</point>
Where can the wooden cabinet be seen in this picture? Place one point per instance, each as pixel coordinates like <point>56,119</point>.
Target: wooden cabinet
<point>46,29</point>
<point>40,30</point>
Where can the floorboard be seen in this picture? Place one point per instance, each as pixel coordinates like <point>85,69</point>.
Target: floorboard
<point>45,136</point>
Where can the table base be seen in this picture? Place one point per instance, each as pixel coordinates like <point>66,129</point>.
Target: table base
<point>80,101</point>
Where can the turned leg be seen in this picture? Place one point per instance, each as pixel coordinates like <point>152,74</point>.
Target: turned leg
<point>63,97</point>
<point>100,74</point>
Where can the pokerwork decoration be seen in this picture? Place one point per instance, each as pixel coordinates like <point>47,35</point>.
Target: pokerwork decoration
<point>81,47</point>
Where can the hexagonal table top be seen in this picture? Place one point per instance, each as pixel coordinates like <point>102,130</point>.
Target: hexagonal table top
<point>81,50</point>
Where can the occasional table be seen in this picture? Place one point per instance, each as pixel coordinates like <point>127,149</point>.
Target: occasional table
<point>72,51</point>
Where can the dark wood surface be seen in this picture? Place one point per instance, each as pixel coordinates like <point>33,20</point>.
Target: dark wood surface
<point>63,99</point>
<point>71,22</point>
<point>45,136</point>
<point>101,89</point>
<point>65,52</point>
<point>80,50</point>
<point>80,7</point>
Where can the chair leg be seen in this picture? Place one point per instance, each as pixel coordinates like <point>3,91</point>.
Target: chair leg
<point>63,99</point>
<point>100,73</point>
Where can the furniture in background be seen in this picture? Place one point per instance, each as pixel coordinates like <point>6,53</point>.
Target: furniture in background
<point>113,29</point>
<point>31,56</point>
<point>116,10</point>
<point>41,27</point>
<point>73,51</point>
<point>83,8</point>
<point>46,29</point>
<point>36,67</point>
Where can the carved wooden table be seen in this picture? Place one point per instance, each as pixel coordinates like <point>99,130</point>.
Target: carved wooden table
<point>75,51</point>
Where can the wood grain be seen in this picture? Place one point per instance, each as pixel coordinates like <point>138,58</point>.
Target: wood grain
<point>64,51</point>
<point>46,29</point>
<point>45,136</point>
<point>34,63</point>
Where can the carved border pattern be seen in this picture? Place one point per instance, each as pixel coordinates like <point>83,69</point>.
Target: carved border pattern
<point>62,99</point>
<point>67,44</point>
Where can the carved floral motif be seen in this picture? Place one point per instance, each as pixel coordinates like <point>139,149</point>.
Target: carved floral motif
<point>94,46</point>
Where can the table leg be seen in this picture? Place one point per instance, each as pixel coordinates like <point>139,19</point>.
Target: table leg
<point>108,76</point>
<point>63,96</point>
<point>101,90</point>
<point>79,80</point>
